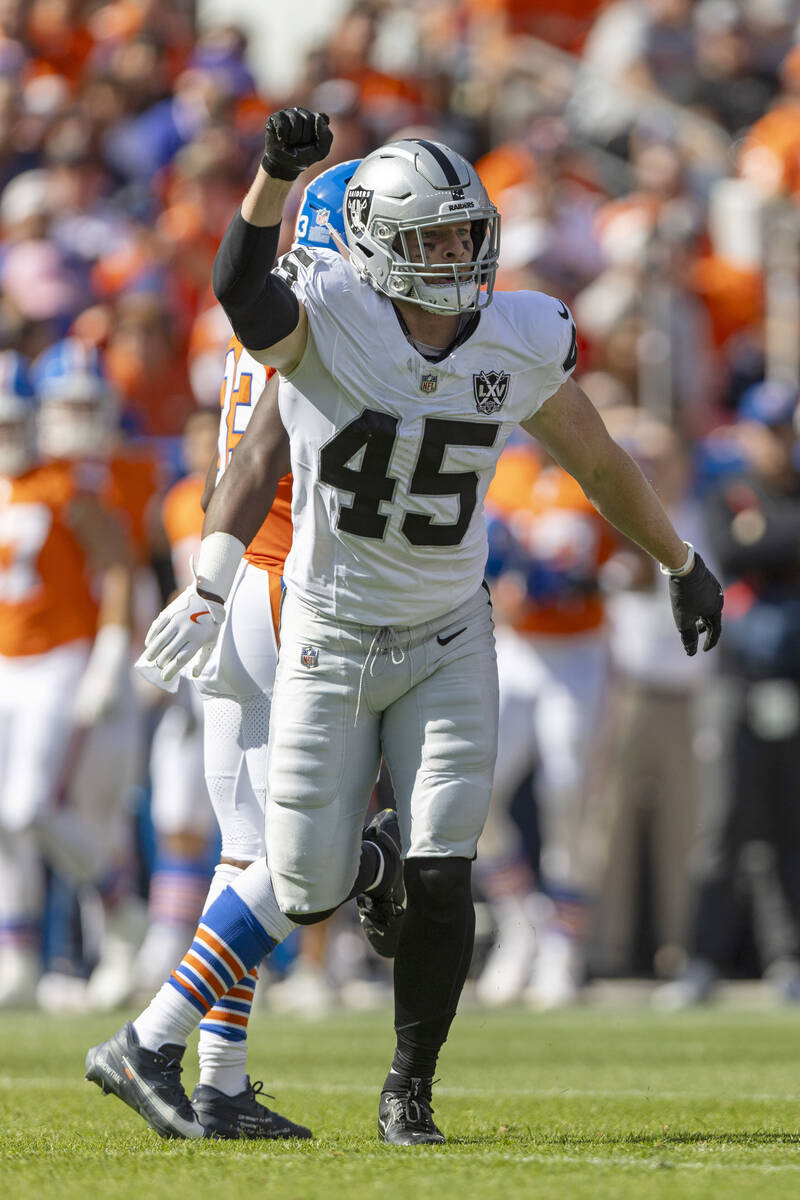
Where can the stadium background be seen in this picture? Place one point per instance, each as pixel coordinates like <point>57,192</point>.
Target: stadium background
<point>645,156</point>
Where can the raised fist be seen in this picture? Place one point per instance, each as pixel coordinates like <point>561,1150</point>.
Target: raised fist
<point>294,139</point>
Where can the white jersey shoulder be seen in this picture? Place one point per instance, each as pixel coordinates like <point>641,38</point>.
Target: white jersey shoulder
<point>544,329</point>
<point>392,454</point>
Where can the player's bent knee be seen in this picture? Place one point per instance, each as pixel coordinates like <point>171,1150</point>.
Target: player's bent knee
<point>309,918</point>
<point>437,883</point>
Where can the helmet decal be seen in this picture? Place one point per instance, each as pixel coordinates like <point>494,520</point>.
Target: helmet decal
<point>359,205</point>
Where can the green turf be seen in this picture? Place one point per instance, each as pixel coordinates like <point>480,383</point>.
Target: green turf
<point>591,1103</point>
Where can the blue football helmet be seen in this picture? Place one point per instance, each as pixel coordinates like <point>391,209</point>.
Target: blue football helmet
<point>17,415</point>
<point>78,405</point>
<point>322,207</point>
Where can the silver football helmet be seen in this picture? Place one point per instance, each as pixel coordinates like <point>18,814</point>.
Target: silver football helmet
<point>398,191</point>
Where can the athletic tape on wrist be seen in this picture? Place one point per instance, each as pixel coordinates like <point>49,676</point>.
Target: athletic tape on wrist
<point>677,572</point>
<point>217,563</point>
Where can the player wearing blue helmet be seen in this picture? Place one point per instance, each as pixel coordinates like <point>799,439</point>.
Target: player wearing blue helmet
<point>235,685</point>
<point>65,588</point>
<point>320,219</point>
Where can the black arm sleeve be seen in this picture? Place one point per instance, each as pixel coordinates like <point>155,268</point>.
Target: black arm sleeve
<point>261,308</point>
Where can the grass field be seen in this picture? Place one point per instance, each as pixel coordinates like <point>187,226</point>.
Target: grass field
<point>591,1103</point>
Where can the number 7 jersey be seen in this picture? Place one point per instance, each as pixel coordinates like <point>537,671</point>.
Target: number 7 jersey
<point>392,455</point>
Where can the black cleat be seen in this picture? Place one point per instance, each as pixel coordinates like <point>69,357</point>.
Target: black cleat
<point>148,1080</point>
<point>405,1117</point>
<point>381,916</point>
<point>241,1116</point>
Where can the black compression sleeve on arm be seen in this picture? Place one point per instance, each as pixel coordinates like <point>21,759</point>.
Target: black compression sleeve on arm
<point>260,306</point>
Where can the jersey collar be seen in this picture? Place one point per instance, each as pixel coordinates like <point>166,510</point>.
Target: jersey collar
<point>469,323</point>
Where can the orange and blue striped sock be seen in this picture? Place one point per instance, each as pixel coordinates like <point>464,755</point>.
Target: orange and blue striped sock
<point>228,944</point>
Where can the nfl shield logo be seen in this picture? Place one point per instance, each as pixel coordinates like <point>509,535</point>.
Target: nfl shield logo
<point>309,657</point>
<point>428,383</point>
<point>491,389</point>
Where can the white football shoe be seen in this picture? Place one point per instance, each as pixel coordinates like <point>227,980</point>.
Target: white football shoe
<point>558,973</point>
<point>19,974</point>
<point>113,981</point>
<point>508,967</point>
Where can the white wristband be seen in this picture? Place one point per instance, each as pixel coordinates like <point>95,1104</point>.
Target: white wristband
<point>687,566</point>
<point>217,563</point>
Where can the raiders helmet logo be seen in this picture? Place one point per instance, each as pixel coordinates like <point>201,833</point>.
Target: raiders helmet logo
<point>358,205</point>
<point>491,389</point>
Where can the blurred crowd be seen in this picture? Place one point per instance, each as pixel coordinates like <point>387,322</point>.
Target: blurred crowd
<point>645,158</point>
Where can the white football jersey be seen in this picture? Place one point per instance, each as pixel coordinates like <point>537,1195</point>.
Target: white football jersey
<point>391,454</point>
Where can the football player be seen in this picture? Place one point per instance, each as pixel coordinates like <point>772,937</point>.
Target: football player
<point>401,382</point>
<point>79,429</point>
<point>65,588</point>
<point>547,546</point>
<point>235,686</point>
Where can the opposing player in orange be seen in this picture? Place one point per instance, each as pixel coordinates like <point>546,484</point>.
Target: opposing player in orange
<point>547,546</point>
<point>65,613</point>
<point>79,427</point>
<point>235,684</point>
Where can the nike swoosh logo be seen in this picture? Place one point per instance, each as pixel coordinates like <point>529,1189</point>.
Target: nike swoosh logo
<point>443,641</point>
<point>172,1120</point>
<point>196,616</point>
<point>563,311</point>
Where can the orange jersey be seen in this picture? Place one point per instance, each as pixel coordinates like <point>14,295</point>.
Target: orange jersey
<point>243,382</point>
<point>135,480</point>
<point>182,517</point>
<point>559,529</point>
<point>46,596</point>
<point>126,483</point>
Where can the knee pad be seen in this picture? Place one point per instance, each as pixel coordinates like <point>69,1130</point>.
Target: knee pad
<point>438,883</point>
<point>309,918</point>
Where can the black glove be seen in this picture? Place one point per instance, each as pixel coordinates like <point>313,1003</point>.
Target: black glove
<point>697,606</point>
<point>294,139</point>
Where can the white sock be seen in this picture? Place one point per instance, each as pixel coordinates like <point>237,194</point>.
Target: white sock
<point>168,1018</point>
<point>223,1064</point>
<point>254,886</point>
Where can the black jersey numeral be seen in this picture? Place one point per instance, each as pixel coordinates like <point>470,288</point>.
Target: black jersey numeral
<point>429,480</point>
<point>289,264</point>
<point>572,353</point>
<point>370,483</point>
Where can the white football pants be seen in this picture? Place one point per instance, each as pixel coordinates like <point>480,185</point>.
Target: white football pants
<point>425,696</point>
<point>236,688</point>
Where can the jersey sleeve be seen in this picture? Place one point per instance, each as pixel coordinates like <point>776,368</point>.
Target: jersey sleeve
<point>548,330</point>
<point>330,292</point>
